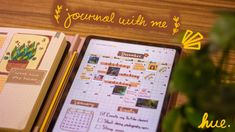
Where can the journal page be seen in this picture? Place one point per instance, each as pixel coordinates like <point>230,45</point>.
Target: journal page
<point>118,87</point>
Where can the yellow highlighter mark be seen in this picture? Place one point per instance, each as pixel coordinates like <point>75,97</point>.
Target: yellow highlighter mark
<point>192,41</point>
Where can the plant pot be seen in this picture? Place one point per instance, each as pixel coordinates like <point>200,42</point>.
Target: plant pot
<point>16,64</point>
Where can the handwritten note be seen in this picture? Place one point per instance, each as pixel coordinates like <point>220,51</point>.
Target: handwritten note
<point>110,121</point>
<point>26,76</point>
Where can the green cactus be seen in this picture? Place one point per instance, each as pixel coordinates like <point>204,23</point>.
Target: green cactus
<point>24,52</point>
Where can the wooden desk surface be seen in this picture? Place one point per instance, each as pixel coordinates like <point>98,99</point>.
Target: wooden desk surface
<point>195,15</point>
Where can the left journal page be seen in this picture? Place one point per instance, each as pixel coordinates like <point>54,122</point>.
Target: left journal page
<point>28,62</point>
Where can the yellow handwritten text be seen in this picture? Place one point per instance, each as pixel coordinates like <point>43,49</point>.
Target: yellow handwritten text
<point>66,18</point>
<point>88,17</point>
<point>57,13</point>
<point>140,21</point>
<point>159,24</point>
<point>177,25</point>
<point>212,124</point>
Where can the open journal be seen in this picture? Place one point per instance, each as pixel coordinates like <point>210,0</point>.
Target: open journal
<point>54,82</point>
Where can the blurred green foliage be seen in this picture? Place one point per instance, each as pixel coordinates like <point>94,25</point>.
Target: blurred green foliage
<point>203,83</point>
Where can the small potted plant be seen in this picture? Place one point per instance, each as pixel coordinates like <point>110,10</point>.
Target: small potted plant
<point>20,56</point>
<point>207,84</point>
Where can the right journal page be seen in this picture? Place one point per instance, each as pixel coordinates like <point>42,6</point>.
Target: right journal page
<point>118,87</point>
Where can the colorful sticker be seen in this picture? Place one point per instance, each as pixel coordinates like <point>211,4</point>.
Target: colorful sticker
<point>139,67</point>
<point>24,51</point>
<point>147,103</point>
<point>152,66</point>
<point>93,59</point>
<point>113,71</point>
<point>119,90</point>
<point>98,77</point>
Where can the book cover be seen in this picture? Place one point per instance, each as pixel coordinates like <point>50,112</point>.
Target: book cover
<point>28,61</point>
